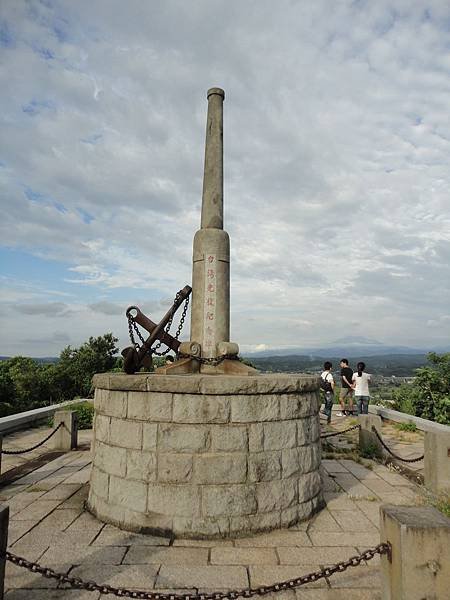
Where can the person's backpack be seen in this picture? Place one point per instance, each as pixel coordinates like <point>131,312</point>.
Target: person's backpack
<point>325,385</point>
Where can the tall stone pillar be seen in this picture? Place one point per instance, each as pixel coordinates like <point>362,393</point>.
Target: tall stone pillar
<point>210,316</point>
<point>210,303</point>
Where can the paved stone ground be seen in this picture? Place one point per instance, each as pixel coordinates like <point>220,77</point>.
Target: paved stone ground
<point>48,523</point>
<point>403,443</point>
<point>21,440</point>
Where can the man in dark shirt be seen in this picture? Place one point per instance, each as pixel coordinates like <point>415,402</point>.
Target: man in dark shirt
<point>346,388</point>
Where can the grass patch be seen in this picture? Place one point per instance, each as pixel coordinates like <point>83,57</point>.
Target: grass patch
<point>443,504</point>
<point>370,451</point>
<point>412,427</point>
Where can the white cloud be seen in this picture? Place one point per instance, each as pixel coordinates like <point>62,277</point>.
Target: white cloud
<point>336,160</point>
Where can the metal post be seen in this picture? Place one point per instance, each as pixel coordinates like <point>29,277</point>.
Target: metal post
<point>4,521</point>
<point>419,566</point>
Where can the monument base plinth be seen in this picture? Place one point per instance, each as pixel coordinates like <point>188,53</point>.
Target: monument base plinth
<point>205,456</point>
<point>186,366</point>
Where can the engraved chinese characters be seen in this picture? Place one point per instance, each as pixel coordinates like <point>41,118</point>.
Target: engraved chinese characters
<point>210,306</point>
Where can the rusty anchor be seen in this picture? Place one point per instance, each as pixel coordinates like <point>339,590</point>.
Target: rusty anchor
<point>135,357</point>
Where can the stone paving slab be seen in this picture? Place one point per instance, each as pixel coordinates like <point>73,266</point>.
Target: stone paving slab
<point>52,595</point>
<point>213,577</point>
<point>167,556</point>
<point>139,577</point>
<point>338,594</point>
<point>20,440</point>
<point>243,556</point>
<point>315,555</point>
<point>49,524</point>
<point>265,575</point>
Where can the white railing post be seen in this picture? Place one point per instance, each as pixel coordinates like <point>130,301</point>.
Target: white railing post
<point>419,565</point>
<point>437,461</point>
<point>66,438</point>
<point>4,522</point>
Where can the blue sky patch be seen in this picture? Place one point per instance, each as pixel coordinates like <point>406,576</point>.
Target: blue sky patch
<point>45,53</point>
<point>36,106</point>
<point>6,35</point>
<point>92,139</point>
<point>87,218</point>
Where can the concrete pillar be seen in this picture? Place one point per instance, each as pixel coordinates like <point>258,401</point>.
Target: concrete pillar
<point>4,522</point>
<point>210,314</point>
<point>368,441</point>
<point>437,461</point>
<point>66,438</point>
<point>210,306</point>
<point>212,196</point>
<point>1,448</point>
<point>419,568</point>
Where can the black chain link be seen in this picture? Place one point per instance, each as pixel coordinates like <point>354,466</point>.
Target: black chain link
<point>169,325</point>
<point>92,586</point>
<point>213,361</point>
<point>327,435</point>
<point>132,325</point>
<point>36,445</point>
<point>406,460</point>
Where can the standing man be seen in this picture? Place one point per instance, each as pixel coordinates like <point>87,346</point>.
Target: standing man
<point>327,386</point>
<point>346,388</point>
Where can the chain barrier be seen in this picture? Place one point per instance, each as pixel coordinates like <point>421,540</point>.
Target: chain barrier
<point>327,435</point>
<point>132,326</point>
<point>214,361</point>
<point>92,586</point>
<point>36,445</point>
<point>406,460</point>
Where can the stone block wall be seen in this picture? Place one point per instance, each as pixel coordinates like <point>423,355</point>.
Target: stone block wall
<point>205,456</point>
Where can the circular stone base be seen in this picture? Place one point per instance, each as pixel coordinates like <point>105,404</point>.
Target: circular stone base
<point>205,456</point>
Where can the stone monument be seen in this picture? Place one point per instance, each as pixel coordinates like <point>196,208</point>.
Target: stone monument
<point>206,447</point>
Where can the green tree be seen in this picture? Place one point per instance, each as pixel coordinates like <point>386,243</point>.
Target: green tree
<point>30,387</point>
<point>7,392</point>
<point>429,395</point>
<point>76,366</point>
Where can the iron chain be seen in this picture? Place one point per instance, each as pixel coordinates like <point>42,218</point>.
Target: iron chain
<point>327,435</point>
<point>169,324</point>
<point>406,460</point>
<point>52,433</point>
<point>92,586</point>
<point>133,328</point>
<point>213,361</point>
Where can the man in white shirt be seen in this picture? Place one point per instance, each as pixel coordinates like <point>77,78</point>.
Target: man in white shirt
<point>327,387</point>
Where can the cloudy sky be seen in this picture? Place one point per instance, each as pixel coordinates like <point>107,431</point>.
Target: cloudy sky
<point>337,142</point>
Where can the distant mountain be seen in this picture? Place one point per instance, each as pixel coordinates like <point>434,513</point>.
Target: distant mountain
<point>398,365</point>
<point>348,348</point>
<point>41,360</point>
<point>358,340</point>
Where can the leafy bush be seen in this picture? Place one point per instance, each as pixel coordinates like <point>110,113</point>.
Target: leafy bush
<point>429,395</point>
<point>405,399</point>
<point>370,451</point>
<point>406,427</point>
<point>85,414</point>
